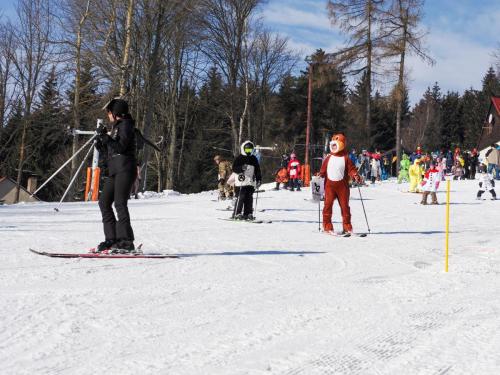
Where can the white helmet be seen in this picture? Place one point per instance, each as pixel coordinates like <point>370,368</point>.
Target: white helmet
<point>247,148</point>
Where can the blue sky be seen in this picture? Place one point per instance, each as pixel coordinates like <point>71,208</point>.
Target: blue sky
<point>463,34</point>
<point>462,37</point>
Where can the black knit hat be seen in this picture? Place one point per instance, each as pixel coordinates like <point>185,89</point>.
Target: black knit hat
<point>117,107</point>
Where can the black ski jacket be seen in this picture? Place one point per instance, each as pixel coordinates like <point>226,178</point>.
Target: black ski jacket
<point>242,160</point>
<point>119,147</point>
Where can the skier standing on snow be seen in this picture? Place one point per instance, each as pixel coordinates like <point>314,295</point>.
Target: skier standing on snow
<point>486,183</point>
<point>119,149</point>
<point>225,190</point>
<point>281,175</point>
<point>246,166</point>
<point>415,172</point>
<point>404,167</point>
<point>294,172</point>
<point>375,168</point>
<point>430,184</point>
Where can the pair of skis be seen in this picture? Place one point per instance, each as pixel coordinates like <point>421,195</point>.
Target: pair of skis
<point>104,256</point>
<point>248,221</point>
<point>344,234</point>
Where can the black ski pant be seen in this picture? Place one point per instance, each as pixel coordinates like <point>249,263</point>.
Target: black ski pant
<point>245,200</point>
<point>492,192</point>
<point>117,189</point>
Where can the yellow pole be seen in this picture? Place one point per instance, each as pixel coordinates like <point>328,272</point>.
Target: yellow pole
<point>447,223</point>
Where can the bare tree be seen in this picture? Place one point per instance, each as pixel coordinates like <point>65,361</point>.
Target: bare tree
<point>126,48</point>
<point>271,60</point>
<point>7,91</point>
<point>74,15</point>
<point>227,24</point>
<point>29,58</point>
<point>404,37</point>
<point>358,19</point>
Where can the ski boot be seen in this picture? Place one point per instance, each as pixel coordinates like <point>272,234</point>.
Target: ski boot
<point>104,247</point>
<point>238,217</point>
<point>249,217</point>
<point>123,247</point>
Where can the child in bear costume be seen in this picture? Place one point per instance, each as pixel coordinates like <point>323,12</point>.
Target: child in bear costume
<point>336,170</point>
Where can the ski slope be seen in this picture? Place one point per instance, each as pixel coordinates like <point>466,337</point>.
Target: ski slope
<point>246,298</point>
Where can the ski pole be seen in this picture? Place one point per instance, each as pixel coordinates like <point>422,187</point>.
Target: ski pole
<point>256,200</point>
<point>73,179</point>
<point>366,218</point>
<point>66,163</point>
<point>237,202</point>
<point>319,214</point>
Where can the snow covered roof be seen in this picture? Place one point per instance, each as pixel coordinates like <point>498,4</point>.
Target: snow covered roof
<point>8,191</point>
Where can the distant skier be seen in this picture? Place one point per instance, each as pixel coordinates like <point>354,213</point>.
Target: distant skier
<point>294,172</point>
<point>430,184</point>
<point>403,170</point>
<point>486,183</point>
<point>249,177</point>
<point>474,162</point>
<point>457,171</point>
<point>415,172</point>
<point>281,175</point>
<point>375,168</point>
<point>224,168</point>
<point>119,149</point>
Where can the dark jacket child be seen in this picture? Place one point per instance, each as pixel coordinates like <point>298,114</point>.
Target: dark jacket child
<point>246,166</point>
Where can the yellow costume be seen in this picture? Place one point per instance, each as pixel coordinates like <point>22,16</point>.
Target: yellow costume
<point>416,172</point>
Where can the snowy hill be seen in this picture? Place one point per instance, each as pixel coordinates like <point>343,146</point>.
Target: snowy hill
<point>255,298</point>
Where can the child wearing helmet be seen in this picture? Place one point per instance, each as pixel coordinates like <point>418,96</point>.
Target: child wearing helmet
<point>249,177</point>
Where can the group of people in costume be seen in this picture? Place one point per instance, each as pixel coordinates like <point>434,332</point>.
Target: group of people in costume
<point>239,180</point>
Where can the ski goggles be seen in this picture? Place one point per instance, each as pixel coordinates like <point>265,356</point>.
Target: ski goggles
<point>248,150</point>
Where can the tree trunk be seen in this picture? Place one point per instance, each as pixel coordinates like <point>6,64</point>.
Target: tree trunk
<point>150,92</point>
<point>126,51</point>
<point>76,99</point>
<point>400,93</point>
<point>369,74</point>
<point>21,161</point>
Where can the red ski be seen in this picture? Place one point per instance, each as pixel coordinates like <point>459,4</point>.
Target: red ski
<point>104,256</point>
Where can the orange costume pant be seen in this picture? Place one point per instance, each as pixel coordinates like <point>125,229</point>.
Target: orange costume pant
<point>337,190</point>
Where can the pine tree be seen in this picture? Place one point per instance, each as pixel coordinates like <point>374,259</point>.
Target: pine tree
<point>452,132</point>
<point>357,113</point>
<point>433,128</point>
<point>89,109</point>
<point>473,117</point>
<point>48,138</point>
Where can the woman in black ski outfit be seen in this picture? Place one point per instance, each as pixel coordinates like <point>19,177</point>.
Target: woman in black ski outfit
<point>246,166</point>
<point>119,150</point>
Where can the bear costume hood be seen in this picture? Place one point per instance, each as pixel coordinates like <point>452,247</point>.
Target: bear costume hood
<point>338,145</point>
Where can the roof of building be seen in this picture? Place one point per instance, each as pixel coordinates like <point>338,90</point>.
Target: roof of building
<point>496,103</point>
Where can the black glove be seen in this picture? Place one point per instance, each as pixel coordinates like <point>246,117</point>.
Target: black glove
<point>101,129</point>
<point>493,183</point>
<point>221,181</point>
<point>258,183</point>
<point>104,138</point>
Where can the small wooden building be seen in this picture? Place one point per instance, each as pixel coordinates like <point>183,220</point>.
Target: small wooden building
<point>490,132</point>
<point>8,192</point>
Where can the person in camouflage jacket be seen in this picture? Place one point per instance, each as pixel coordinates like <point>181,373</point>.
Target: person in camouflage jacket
<point>225,190</point>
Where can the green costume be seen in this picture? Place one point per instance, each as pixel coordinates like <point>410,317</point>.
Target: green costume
<point>403,171</point>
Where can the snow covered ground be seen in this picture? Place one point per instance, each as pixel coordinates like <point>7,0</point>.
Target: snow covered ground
<point>255,298</point>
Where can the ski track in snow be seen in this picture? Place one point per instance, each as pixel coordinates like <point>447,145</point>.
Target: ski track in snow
<point>255,299</point>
